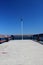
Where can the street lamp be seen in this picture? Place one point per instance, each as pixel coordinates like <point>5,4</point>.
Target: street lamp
<point>22,27</point>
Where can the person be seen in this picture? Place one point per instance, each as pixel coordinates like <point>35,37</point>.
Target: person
<point>38,38</point>
<point>0,40</point>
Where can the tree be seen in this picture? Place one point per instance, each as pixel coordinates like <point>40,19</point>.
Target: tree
<point>12,37</point>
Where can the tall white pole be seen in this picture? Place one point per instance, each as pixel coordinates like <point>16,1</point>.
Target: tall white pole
<point>22,28</point>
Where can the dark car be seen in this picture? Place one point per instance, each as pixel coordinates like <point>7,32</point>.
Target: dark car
<point>2,40</point>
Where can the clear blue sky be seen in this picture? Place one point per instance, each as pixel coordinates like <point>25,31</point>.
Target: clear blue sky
<point>12,10</point>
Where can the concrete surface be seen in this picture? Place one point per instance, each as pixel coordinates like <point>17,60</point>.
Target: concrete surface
<point>21,52</point>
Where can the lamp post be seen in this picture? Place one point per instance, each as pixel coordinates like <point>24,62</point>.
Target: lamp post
<point>22,27</point>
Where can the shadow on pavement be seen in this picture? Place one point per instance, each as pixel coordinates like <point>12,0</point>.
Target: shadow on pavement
<point>40,42</point>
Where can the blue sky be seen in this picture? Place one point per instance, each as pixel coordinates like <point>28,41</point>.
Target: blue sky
<point>11,12</point>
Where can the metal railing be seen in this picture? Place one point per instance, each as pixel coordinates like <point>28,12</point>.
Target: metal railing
<point>38,37</point>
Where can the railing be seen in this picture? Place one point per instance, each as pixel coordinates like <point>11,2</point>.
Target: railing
<point>38,37</point>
